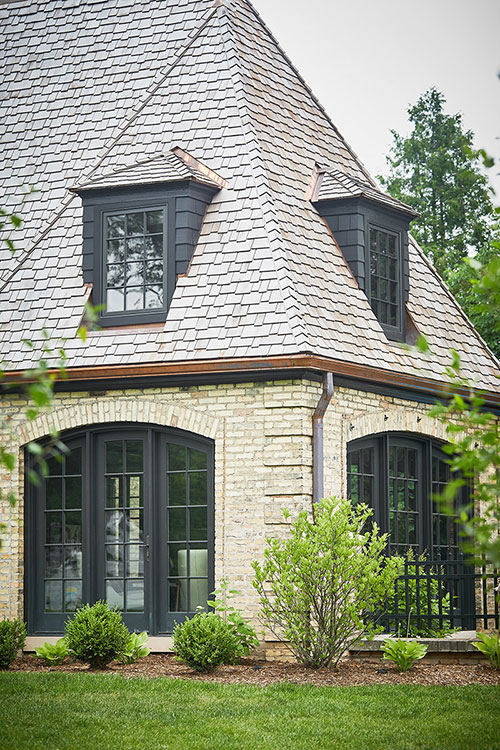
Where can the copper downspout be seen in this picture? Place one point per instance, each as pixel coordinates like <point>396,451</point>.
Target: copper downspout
<point>318,452</point>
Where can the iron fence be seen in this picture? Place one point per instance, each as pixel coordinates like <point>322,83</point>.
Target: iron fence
<point>436,597</point>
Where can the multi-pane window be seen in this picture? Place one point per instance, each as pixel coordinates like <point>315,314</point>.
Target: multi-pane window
<point>361,476</point>
<point>134,260</point>
<point>404,473</point>
<point>385,284</point>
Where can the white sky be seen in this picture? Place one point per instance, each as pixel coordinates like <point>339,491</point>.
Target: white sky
<point>367,60</point>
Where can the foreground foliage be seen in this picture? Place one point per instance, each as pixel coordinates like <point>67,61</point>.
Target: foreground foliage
<point>403,653</point>
<point>244,632</point>
<point>104,711</point>
<point>320,587</point>
<point>53,653</point>
<point>12,638</point>
<point>489,645</point>
<point>135,648</point>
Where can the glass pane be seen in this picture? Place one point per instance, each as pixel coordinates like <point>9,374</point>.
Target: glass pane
<point>198,558</point>
<point>154,273</point>
<point>116,251</point>
<point>55,465</point>
<point>368,461</point>
<point>134,492</point>
<point>53,562</point>
<point>154,221</point>
<point>113,492</point>
<point>177,489</point>
<point>72,562</point>
<point>114,561</point>
<point>72,595</point>
<point>135,298</point>
<point>391,245</point>
<point>392,268</point>
<point>177,525</point>
<point>135,274</point>
<point>134,455</point>
<point>74,461</point>
<point>354,461</point>
<point>176,458</point>
<point>412,495</point>
<point>373,239</point>
<point>198,527</point>
<point>198,487</point>
<point>135,248</point>
<point>116,226</point>
<point>154,297</point>
<point>134,526</point>
<point>154,247</point>
<point>135,223</point>
<point>114,594</point>
<point>198,590</point>
<point>114,526</point>
<point>115,278</point>
<point>178,596</point>
<point>53,493</point>
<point>135,596</point>
<point>73,528</point>
<point>412,464</point>
<point>53,596</point>
<point>177,560</point>
<point>115,300</point>
<point>135,561</point>
<point>53,528</point>
<point>114,456</point>
<point>197,459</point>
<point>401,462</point>
<point>73,492</point>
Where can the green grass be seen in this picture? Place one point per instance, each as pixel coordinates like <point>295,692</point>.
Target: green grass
<point>104,712</point>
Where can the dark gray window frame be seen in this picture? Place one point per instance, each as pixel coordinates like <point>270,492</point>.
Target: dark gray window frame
<point>161,621</point>
<point>394,333</point>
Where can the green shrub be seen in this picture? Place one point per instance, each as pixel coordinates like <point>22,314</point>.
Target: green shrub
<point>425,602</point>
<point>245,633</point>
<point>96,634</point>
<point>403,653</point>
<point>205,642</point>
<point>53,653</point>
<point>135,649</point>
<point>490,646</point>
<point>320,588</point>
<point>12,638</point>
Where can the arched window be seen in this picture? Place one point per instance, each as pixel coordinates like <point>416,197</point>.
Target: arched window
<point>397,475</point>
<point>126,516</point>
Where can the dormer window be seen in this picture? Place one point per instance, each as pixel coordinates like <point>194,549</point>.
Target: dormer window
<point>141,226</point>
<point>371,229</point>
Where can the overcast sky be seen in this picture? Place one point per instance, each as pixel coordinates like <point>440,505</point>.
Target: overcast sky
<point>367,60</point>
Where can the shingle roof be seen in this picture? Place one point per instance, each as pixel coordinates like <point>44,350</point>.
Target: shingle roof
<point>334,185</point>
<point>91,89</point>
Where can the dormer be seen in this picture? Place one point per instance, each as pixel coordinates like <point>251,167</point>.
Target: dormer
<point>371,229</point>
<point>140,228</point>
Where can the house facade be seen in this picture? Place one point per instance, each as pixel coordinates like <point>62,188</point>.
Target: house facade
<point>258,300</point>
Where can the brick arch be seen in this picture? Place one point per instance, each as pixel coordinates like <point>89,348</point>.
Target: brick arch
<point>413,421</point>
<point>113,410</point>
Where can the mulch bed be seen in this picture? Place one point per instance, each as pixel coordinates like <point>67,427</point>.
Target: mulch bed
<point>252,672</point>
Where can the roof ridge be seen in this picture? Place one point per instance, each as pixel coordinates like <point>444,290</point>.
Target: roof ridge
<point>151,91</point>
<point>309,90</point>
<point>270,222</point>
<point>442,283</point>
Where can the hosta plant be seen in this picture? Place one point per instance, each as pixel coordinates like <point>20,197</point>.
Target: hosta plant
<point>135,649</point>
<point>53,653</point>
<point>403,653</point>
<point>489,645</point>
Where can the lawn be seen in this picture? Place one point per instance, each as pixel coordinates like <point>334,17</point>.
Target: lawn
<point>102,712</point>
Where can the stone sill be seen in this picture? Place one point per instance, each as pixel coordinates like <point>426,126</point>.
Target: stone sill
<point>157,644</point>
<point>455,643</point>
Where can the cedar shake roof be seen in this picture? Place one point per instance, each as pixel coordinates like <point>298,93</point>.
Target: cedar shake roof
<point>93,89</point>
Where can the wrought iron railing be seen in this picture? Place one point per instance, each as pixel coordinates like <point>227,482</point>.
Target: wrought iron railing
<point>435,597</point>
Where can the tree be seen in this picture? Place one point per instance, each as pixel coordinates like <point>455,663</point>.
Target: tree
<point>437,171</point>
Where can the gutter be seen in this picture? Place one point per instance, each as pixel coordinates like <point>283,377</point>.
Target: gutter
<point>318,441</point>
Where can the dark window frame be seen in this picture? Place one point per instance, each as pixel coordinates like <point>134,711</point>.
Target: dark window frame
<point>397,332</point>
<point>160,621</point>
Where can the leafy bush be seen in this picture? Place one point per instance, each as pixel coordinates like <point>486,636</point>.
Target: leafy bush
<point>12,638</point>
<point>205,642</point>
<point>403,653</point>
<point>245,633</point>
<point>425,602</point>
<point>53,653</point>
<point>96,634</point>
<point>135,649</point>
<point>319,588</point>
<point>490,646</point>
